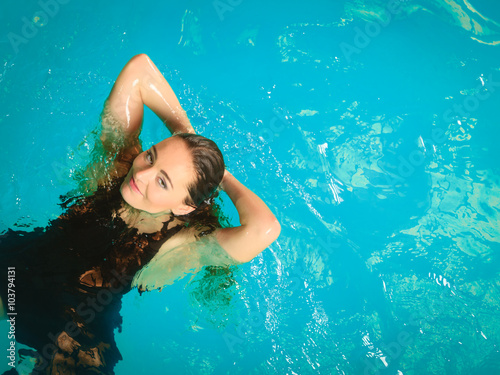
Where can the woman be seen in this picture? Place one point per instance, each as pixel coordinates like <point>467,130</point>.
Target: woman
<point>143,206</point>
<point>161,181</point>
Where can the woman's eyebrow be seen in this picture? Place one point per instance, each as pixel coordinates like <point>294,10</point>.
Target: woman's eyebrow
<point>168,178</point>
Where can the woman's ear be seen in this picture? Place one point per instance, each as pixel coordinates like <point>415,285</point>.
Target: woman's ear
<point>183,209</point>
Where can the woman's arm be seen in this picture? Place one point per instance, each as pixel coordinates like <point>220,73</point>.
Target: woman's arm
<point>259,227</point>
<point>141,83</point>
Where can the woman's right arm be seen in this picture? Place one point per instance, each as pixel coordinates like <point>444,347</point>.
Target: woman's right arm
<point>141,83</point>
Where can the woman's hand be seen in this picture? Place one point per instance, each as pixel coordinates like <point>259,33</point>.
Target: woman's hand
<point>227,175</point>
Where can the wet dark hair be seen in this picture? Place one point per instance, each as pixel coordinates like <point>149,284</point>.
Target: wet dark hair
<point>209,168</point>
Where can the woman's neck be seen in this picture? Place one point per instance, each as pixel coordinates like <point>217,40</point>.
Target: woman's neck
<point>143,221</point>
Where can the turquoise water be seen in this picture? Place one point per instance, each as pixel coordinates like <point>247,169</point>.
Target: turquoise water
<point>369,128</point>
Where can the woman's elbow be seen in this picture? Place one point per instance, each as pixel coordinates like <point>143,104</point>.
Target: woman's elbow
<point>137,64</point>
<point>140,58</point>
<point>275,229</point>
<point>261,238</point>
<point>269,231</point>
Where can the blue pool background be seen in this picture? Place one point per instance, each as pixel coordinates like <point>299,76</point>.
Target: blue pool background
<point>377,152</point>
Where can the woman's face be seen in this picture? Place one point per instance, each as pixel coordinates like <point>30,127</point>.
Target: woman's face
<point>158,179</point>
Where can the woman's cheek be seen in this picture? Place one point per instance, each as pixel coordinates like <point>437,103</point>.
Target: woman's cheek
<point>152,196</point>
<point>161,200</point>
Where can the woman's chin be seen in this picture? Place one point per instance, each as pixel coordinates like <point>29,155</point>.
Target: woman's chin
<point>126,195</point>
<point>129,198</point>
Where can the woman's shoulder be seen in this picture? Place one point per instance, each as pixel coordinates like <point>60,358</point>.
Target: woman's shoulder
<point>201,239</point>
<point>185,236</point>
<point>186,252</point>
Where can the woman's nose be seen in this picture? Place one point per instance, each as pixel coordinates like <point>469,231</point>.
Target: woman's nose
<point>143,175</point>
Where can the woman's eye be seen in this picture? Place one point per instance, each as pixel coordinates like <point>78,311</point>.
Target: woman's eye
<point>149,157</point>
<point>162,183</point>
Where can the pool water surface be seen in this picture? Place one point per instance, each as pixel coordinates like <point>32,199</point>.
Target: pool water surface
<point>370,129</point>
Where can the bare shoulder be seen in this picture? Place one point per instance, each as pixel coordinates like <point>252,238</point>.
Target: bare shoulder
<point>240,244</point>
<point>243,243</point>
<point>204,243</point>
<point>183,254</point>
<point>184,237</point>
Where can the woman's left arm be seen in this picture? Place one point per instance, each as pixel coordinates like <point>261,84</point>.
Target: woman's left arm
<point>259,227</point>
<point>182,254</point>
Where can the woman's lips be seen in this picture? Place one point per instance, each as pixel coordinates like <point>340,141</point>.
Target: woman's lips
<point>133,186</point>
